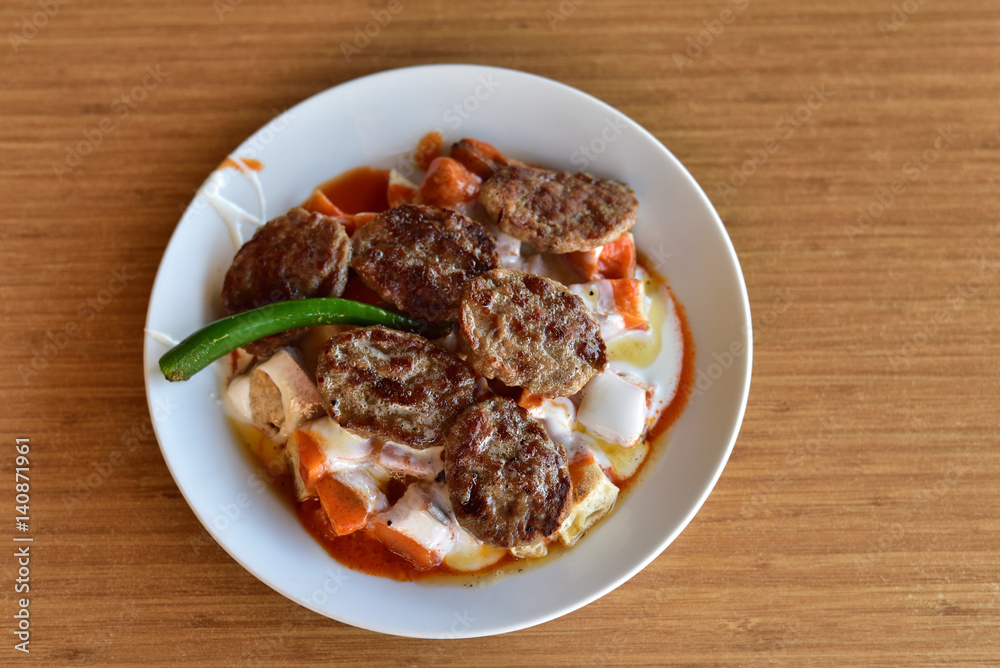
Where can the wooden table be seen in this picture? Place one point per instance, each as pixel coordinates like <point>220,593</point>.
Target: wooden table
<point>853,151</point>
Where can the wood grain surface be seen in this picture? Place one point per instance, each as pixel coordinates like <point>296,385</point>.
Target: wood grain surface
<point>853,151</point>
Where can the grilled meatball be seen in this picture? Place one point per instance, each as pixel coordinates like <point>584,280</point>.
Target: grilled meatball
<point>295,256</point>
<point>558,212</point>
<point>420,257</point>
<point>532,332</point>
<point>480,158</point>
<point>382,383</point>
<point>508,482</point>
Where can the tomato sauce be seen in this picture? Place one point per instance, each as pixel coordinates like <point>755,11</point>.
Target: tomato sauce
<point>670,414</point>
<point>358,551</point>
<point>361,551</point>
<point>359,190</point>
<point>243,164</point>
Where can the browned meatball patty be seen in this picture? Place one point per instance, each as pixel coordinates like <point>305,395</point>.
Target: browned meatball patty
<point>531,332</point>
<point>558,212</point>
<point>480,158</point>
<point>420,257</point>
<point>382,383</point>
<point>508,482</point>
<point>295,256</point>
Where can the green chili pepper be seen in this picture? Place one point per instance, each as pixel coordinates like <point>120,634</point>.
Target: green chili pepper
<point>226,335</point>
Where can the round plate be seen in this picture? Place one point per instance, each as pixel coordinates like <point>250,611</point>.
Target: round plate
<point>377,120</point>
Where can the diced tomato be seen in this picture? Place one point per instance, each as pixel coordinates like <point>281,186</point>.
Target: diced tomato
<point>416,528</point>
<point>354,222</point>
<point>320,203</point>
<point>612,260</point>
<point>428,148</point>
<point>312,461</point>
<point>584,263</point>
<point>447,183</point>
<point>617,259</point>
<point>527,400</point>
<point>405,546</point>
<point>629,297</point>
<point>347,510</point>
<point>398,194</point>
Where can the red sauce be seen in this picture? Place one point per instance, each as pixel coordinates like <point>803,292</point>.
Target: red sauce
<point>359,190</point>
<point>363,552</point>
<point>578,467</point>
<point>247,163</point>
<point>360,550</point>
<point>670,414</point>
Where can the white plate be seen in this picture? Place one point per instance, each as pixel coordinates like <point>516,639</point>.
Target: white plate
<point>376,120</point>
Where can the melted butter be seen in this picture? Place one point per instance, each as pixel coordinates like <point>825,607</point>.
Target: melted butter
<point>625,462</point>
<point>271,454</point>
<point>641,348</point>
